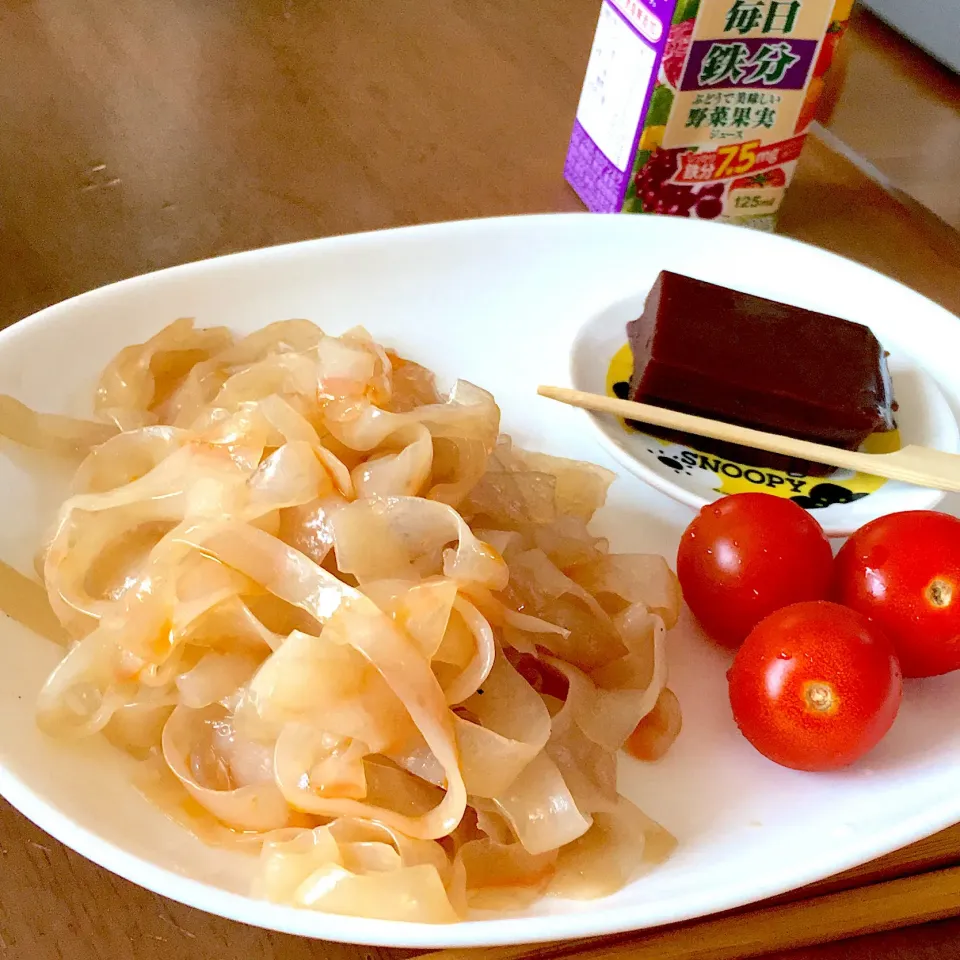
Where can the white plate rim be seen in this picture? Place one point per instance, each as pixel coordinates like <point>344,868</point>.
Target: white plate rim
<point>470,933</point>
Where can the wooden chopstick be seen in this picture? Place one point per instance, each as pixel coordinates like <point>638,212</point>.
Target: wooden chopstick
<point>835,916</point>
<point>922,466</point>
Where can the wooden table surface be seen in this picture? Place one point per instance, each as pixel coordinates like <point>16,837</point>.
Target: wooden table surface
<point>139,135</point>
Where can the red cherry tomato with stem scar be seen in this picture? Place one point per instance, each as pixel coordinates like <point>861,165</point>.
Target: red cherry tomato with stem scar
<point>747,555</point>
<point>815,686</point>
<point>903,571</point>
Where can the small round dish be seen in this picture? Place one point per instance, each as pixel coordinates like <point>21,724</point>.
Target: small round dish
<point>842,501</point>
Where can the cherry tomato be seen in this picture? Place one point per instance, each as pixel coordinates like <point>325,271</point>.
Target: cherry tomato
<point>747,555</point>
<point>815,686</point>
<point>903,571</point>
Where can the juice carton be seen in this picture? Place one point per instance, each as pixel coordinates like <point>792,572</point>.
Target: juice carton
<point>699,108</point>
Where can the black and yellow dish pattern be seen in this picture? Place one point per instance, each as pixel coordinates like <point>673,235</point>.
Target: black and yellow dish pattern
<point>732,477</point>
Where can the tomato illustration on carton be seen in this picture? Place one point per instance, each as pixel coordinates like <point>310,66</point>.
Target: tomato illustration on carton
<point>762,191</point>
<point>769,178</point>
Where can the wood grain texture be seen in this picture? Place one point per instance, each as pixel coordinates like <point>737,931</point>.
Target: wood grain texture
<point>830,917</point>
<point>55,904</point>
<point>831,204</point>
<point>904,888</point>
<point>900,111</point>
<point>140,135</point>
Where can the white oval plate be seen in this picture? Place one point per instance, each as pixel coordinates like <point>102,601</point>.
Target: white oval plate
<point>498,302</point>
<point>841,502</point>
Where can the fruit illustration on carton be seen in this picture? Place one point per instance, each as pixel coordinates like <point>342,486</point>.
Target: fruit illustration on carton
<point>699,108</point>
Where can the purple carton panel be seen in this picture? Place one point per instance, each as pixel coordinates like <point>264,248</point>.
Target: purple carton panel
<point>624,61</point>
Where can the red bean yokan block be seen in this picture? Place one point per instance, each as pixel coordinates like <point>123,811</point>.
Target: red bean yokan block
<point>707,350</point>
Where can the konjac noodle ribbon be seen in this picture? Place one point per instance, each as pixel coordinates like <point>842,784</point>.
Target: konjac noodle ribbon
<point>342,620</point>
